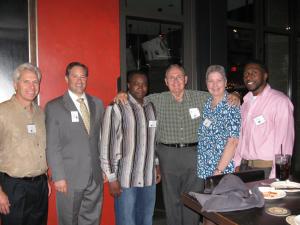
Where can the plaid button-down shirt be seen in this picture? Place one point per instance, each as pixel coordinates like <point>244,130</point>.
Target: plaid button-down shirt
<point>175,123</point>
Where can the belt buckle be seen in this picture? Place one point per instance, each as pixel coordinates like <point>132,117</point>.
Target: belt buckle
<point>250,163</point>
<point>181,145</point>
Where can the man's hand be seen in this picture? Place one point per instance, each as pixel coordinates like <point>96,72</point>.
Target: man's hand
<point>121,97</point>
<point>234,99</point>
<point>61,186</point>
<point>158,175</point>
<point>105,179</point>
<point>237,169</point>
<point>4,203</point>
<point>115,188</point>
<point>49,189</point>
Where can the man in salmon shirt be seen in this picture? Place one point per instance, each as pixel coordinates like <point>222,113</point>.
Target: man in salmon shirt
<point>267,123</point>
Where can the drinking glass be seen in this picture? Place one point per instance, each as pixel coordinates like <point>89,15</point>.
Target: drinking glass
<point>283,165</point>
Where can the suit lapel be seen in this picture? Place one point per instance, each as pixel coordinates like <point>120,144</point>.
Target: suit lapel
<point>92,108</point>
<point>68,102</point>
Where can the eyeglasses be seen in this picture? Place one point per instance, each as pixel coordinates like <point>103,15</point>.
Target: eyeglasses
<point>178,78</point>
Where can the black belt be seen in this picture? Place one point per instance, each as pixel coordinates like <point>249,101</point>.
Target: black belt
<point>36,178</point>
<point>180,145</point>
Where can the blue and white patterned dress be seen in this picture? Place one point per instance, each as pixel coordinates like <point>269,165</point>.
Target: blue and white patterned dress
<point>217,125</point>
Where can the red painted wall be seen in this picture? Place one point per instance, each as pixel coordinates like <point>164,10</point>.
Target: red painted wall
<point>85,31</point>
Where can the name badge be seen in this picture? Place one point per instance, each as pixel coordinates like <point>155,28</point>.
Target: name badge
<point>152,123</point>
<point>75,116</point>
<point>31,129</point>
<point>194,112</point>
<point>207,122</point>
<point>259,120</point>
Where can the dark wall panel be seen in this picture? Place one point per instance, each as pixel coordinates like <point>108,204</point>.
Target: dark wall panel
<point>13,42</point>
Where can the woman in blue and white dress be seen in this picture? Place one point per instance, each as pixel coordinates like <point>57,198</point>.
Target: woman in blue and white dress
<point>219,129</point>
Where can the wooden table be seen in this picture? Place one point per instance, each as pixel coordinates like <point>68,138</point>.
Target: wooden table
<point>255,216</point>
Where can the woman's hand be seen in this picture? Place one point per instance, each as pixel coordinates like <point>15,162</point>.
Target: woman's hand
<point>217,172</point>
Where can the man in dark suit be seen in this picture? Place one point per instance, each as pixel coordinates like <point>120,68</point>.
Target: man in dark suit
<point>73,123</point>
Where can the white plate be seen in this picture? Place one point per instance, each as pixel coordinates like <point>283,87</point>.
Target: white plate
<point>291,220</point>
<point>271,193</point>
<point>286,184</point>
<point>297,220</point>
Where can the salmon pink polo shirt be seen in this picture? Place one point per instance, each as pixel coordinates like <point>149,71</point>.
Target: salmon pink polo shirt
<point>267,123</point>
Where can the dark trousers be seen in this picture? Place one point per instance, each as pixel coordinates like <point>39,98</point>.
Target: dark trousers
<point>28,200</point>
<point>178,170</point>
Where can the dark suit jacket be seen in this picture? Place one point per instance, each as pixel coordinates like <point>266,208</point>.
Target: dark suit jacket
<point>72,154</point>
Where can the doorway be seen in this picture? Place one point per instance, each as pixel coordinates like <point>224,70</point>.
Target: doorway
<point>17,40</point>
<point>155,34</point>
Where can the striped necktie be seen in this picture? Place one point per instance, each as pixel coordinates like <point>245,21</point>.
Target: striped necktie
<point>85,114</point>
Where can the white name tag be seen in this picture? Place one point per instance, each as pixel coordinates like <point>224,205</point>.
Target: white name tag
<point>31,129</point>
<point>75,116</point>
<point>259,120</point>
<point>194,112</point>
<point>152,123</point>
<point>207,122</point>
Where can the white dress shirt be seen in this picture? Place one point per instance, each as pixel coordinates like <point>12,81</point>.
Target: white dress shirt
<point>74,98</point>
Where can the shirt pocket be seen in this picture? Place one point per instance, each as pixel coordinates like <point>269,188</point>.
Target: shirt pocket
<point>261,131</point>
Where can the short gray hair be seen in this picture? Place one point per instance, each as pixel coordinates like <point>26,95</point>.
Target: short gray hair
<point>23,67</point>
<point>216,68</point>
<point>177,66</point>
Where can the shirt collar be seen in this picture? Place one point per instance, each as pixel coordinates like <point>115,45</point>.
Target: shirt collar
<point>224,99</point>
<point>17,103</point>
<point>74,97</point>
<point>134,101</point>
<point>184,97</point>
<point>250,95</point>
